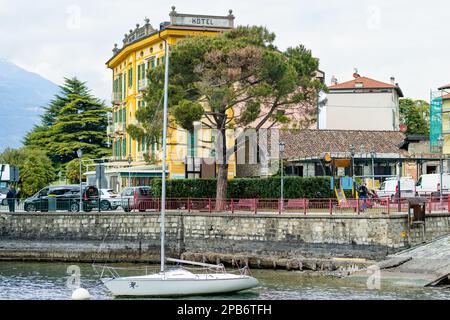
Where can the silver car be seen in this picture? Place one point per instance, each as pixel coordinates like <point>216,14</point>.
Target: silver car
<point>109,200</point>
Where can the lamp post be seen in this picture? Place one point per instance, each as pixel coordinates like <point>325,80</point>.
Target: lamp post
<point>130,159</point>
<point>352,153</point>
<point>441,164</point>
<point>80,154</point>
<point>282,145</point>
<point>373,155</point>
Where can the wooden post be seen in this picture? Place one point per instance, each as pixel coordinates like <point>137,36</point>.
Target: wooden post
<point>189,204</point>
<point>357,206</point>
<point>232,206</point>
<point>256,206</point>
<point>209,205</point>
<point>305,204</point>
<point>330,206</point>
<point>389,205</point>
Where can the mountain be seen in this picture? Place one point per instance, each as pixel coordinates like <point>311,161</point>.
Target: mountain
<point>23,95</point>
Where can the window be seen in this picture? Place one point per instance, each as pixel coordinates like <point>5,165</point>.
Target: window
<point>191,143</point>
<point>124,147</point>
<point>153,63</point>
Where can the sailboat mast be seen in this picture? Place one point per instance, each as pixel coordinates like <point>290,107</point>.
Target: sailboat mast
<point>164,156</point>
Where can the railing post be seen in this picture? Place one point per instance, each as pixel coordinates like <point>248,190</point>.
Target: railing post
<point>357,206</point>
<point>256,206</point>
<point>209,205</point>
<point>189,204</point>
<point>232,206</point>
<point>448,203</point>
<point>388,206</point>
<point>279,206</point>
<point>430,205</point>
<point>305,205</point>
<point>330,206</point>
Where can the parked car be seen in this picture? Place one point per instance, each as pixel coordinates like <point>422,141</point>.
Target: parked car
<point>62,198</point>
<point>3,201</point>
<point>430,184</point>
<point>137,198</point>
<point>389,188</point>
<point>109,200</point>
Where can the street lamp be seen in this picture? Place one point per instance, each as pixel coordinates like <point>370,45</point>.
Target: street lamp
<point>352,153</point>
<point>80,154</point>
<point>441,164</point>
<point>282,145</point>
<point>373,155</point>
<point>130,159</point>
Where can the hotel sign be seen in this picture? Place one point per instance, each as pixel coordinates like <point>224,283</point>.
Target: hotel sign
<point>201,21</point>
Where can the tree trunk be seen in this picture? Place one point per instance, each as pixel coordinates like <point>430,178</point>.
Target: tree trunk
<point>222,175</point>
<point>221,191</point>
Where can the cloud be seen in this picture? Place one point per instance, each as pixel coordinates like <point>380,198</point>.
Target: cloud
<point>382,38</point>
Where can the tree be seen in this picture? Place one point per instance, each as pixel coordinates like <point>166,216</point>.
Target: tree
<point>35,168</point>
<point>73,120</point>
<point>415,114</point>
<point>237,79</point>
<point>73,169</point>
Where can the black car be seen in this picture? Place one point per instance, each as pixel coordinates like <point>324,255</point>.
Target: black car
<point>66,198</point>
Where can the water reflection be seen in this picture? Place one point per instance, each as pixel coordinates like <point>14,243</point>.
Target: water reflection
<point>48,281</point>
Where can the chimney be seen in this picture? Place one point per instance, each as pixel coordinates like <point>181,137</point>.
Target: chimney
<point>334,80</point>
<point>393,81</point>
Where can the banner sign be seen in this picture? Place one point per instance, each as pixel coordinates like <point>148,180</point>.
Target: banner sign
<point>435,122</point>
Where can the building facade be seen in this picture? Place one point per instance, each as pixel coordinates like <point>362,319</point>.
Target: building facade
<point>361,104</point>
<point>445,96</point>
<point>188,155</point>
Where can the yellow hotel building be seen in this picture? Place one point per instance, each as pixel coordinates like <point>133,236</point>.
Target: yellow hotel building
<point>143,49</point>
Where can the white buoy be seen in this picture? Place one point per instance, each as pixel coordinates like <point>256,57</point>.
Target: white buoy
<point>81,294</point>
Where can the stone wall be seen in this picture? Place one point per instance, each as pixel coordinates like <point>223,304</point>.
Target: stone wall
<point>282,236</point>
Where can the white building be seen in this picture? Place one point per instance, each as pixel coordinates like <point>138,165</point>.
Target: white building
<point>361,104</point>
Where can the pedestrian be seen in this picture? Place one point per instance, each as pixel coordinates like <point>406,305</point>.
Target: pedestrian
<point>11,198</point>
<point>362,193</point>
<point>18,196</point>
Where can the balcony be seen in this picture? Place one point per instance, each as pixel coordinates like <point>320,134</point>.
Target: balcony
<point>119,128</point>
<point>116,98</point>
<point>143,84</point>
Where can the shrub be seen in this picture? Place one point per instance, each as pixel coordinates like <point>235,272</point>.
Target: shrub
<point>261,188</point>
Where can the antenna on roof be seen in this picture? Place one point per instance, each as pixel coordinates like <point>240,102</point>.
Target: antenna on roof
<point>334,80</point>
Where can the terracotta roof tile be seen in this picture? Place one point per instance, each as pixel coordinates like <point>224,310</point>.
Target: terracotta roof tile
<point>446,97</point>
<point>367,83</point>
<point>315,143</point>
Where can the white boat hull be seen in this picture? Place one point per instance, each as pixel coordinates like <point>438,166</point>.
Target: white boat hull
<point>178,283</point>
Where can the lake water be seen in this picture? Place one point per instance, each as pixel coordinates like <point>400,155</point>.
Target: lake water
<point>48,281</point>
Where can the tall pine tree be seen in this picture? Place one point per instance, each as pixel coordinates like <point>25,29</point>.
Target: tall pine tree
<point>74,119</point>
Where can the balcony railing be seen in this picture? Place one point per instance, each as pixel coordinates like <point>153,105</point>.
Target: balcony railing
<point>116,98</point>
<point>119,127</point>
<point>143,84</point>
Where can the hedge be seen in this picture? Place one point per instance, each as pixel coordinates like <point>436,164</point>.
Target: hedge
<point>261,188</point>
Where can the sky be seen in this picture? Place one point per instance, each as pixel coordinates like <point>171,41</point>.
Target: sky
<point>381,38</point>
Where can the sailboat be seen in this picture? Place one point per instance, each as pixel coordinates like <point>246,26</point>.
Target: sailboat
<point>179,281</point>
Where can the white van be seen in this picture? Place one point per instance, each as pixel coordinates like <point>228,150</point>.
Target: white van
<point>389,188</point>
<point>430,183</point>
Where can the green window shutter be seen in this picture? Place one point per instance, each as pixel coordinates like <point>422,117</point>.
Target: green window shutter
<point>148,64</point>
<point>143,71</point>
<point>120,115</point>
<point>139,72</point>
<point>162,59</point>
<point>124,147</point>
<point>124,115</point>
<point>153,63</point>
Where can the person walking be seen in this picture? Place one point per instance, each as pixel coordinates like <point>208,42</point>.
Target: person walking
<point>11,198</point>
<point>362,193</point>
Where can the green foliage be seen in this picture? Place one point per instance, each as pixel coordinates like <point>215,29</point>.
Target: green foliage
<point>187,112</point>
<point>73,120</point>
<point>35,168</point>
<point>261,188</point>
<point>416,115</point>
<point>72,169</point>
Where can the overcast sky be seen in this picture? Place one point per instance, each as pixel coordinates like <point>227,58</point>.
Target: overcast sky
<point>405,39</point>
